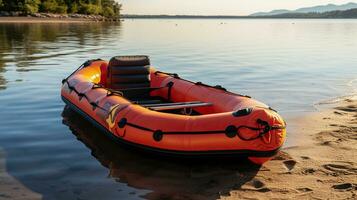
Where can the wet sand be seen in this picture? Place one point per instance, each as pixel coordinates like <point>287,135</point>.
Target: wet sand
<point>321,166</point>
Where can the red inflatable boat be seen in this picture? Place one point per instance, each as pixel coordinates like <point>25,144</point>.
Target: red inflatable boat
<point>135,104</point>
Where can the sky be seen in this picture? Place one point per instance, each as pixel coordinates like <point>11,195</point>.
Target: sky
<point>216,7</point>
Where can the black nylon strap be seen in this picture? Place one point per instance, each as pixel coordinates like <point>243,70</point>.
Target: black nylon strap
<point>169,85</point>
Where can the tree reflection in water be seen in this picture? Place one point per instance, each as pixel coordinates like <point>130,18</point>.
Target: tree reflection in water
<point>23,45</point>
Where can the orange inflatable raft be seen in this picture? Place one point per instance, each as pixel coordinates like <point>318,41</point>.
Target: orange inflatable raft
<point>137,105</point>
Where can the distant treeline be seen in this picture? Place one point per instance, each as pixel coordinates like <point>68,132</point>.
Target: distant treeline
<point>352,13</point>
<point>107,8</point>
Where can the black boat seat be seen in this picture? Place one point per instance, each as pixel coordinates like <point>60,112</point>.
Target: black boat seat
<point>128,73</point>
<point>176,106</point>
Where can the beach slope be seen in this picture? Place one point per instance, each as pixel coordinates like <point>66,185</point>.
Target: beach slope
<point>321,166</point>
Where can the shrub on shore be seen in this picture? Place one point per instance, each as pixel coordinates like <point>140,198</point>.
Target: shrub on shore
<point>107,8</point>
<point>31,6</point>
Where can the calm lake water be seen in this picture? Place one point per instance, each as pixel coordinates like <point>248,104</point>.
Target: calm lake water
<point>292,65</point>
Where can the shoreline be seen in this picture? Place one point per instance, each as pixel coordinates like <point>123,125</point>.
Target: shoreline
<point>50,20</point>
<point>31,19</point>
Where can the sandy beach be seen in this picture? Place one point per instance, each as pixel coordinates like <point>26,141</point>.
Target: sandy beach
<point>321,166</point>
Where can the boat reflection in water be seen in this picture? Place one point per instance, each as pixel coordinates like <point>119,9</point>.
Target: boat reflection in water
<point>171,178</point>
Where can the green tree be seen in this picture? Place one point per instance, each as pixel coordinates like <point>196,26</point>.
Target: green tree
<point>53,6</point>
<point>108,8</point>
<point>108,12</point>
<point>49,6</point>
<point>74,8</point>
<point>31,6</point>
<point>89,9</point>
<point>111,8</point>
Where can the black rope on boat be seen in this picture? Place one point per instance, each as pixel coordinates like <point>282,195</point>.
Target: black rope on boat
<point>139,127</point>
<point>84,65</point>
<point>230,131</point>
<point>83,95</point>
<point>264,129</point>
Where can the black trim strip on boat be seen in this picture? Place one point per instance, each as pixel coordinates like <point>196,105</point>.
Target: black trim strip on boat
<point>243,152</point>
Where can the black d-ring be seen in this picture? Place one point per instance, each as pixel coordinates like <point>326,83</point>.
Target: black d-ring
<point>231,131</point>
<point>122,122</point>
<point>157,135</point>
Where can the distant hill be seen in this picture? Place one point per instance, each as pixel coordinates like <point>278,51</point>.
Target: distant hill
<point>337,14</point>
<point>317,9</point>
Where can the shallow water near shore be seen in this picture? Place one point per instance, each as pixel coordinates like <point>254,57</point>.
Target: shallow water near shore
<point>292,65</point>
